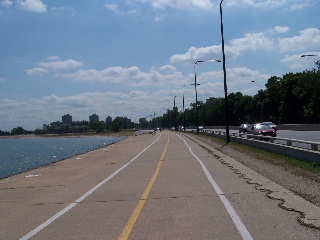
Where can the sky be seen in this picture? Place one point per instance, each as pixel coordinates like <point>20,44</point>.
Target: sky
<point>130,58</point>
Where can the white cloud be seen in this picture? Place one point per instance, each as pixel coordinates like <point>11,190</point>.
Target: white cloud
<point>54,58</point>
<point>308,39</point>
<point>238,3</point>
<point>113,7</point>
<point>67,64</point>
<point>157,19</point>
<point>259,4</point>
<point>33,5</point>
<point>294,62</point>
<point>270,4</point>
<point>179,4</point>
<point>194,54</point>
<point>131,76</point>
<point>168,69</point>
<point>53,65</point>
<point>36,71</point>
<point>250,42</point>
<point>279,29</point>
<point>7,3</point>
<point>299,6</point>
<point>2,79</point>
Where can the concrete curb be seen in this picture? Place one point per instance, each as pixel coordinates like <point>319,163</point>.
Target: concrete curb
<point>309,213</point>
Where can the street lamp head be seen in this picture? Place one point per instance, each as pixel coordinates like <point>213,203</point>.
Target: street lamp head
<point>309,55</point>
<point>208,61</point>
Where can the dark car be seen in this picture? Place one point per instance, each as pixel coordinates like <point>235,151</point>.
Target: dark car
<point>271,124</point>
<point>263,129</point>
<point>244,127</point>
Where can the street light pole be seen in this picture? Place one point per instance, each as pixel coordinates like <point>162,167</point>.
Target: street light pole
<point>174,112</point>
<point>195,88</point>
<point>224,77</point>
<point>184,114</point>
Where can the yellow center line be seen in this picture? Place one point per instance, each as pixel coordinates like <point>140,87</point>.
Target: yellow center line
<point>128,228</point>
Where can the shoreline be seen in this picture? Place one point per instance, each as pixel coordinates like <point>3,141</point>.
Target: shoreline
<point>73,135</point>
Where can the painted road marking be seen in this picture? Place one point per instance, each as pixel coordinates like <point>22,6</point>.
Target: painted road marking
<point>63,211</point>
<point>128,228</point>
<point>232,212</point>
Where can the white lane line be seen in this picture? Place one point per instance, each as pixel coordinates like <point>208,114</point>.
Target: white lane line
<point>233,214</point>
<point>66,209</point>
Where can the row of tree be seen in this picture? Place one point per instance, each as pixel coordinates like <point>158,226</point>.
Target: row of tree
<point>76,127</point>
<point>292,99</point>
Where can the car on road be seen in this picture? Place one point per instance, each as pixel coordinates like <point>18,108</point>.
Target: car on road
<point>244,127</point>
<point>271,124</point>
<point>262,129</point>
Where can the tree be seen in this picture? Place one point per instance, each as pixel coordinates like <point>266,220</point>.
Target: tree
<point>116,125</point>
<point>143,123</point>
<point>97,126</point>
<point>4,133</point>
<point>18,131</point>
<point>270,108</point>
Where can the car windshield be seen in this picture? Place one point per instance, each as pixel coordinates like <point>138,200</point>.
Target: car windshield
<point>263,126</point>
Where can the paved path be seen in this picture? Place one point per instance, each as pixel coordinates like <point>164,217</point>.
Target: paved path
<point>162,186</point>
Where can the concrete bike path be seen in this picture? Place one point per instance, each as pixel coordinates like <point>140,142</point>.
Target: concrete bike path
<point>170,185</point>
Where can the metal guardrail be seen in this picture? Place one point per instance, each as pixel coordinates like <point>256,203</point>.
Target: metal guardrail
<point>289,142</point>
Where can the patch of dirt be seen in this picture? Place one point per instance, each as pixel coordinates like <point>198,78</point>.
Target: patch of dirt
<point>303,181</point>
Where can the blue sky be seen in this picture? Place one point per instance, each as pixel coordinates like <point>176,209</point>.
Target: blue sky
<point>129,58</point>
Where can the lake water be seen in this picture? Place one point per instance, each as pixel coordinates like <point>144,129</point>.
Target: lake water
<point>21,154</point>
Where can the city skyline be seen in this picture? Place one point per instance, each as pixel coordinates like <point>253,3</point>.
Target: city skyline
<point>131,58</point>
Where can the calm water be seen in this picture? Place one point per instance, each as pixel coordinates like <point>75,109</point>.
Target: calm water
<point>22,154</point>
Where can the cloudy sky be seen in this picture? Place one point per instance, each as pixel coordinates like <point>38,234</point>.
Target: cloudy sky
<point>130,58</point>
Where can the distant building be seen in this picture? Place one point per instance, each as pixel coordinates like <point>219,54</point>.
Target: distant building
<point>126,122</point>
<point>67,119</point>
<point>93,117</point>
<point>108,119</point>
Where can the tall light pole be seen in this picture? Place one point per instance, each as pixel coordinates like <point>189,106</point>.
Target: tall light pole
<point>174,112</point>
<point>224,77</point>
<point>184,114</point>
<point>195,88</point>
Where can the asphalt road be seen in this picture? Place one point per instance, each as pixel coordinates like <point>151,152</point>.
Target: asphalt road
<point>162,186</point>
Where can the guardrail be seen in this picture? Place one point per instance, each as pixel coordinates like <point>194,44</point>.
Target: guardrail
<point>313,145</point>
<point>274,144</point>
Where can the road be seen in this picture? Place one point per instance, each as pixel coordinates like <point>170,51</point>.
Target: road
<point>162,186</point>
